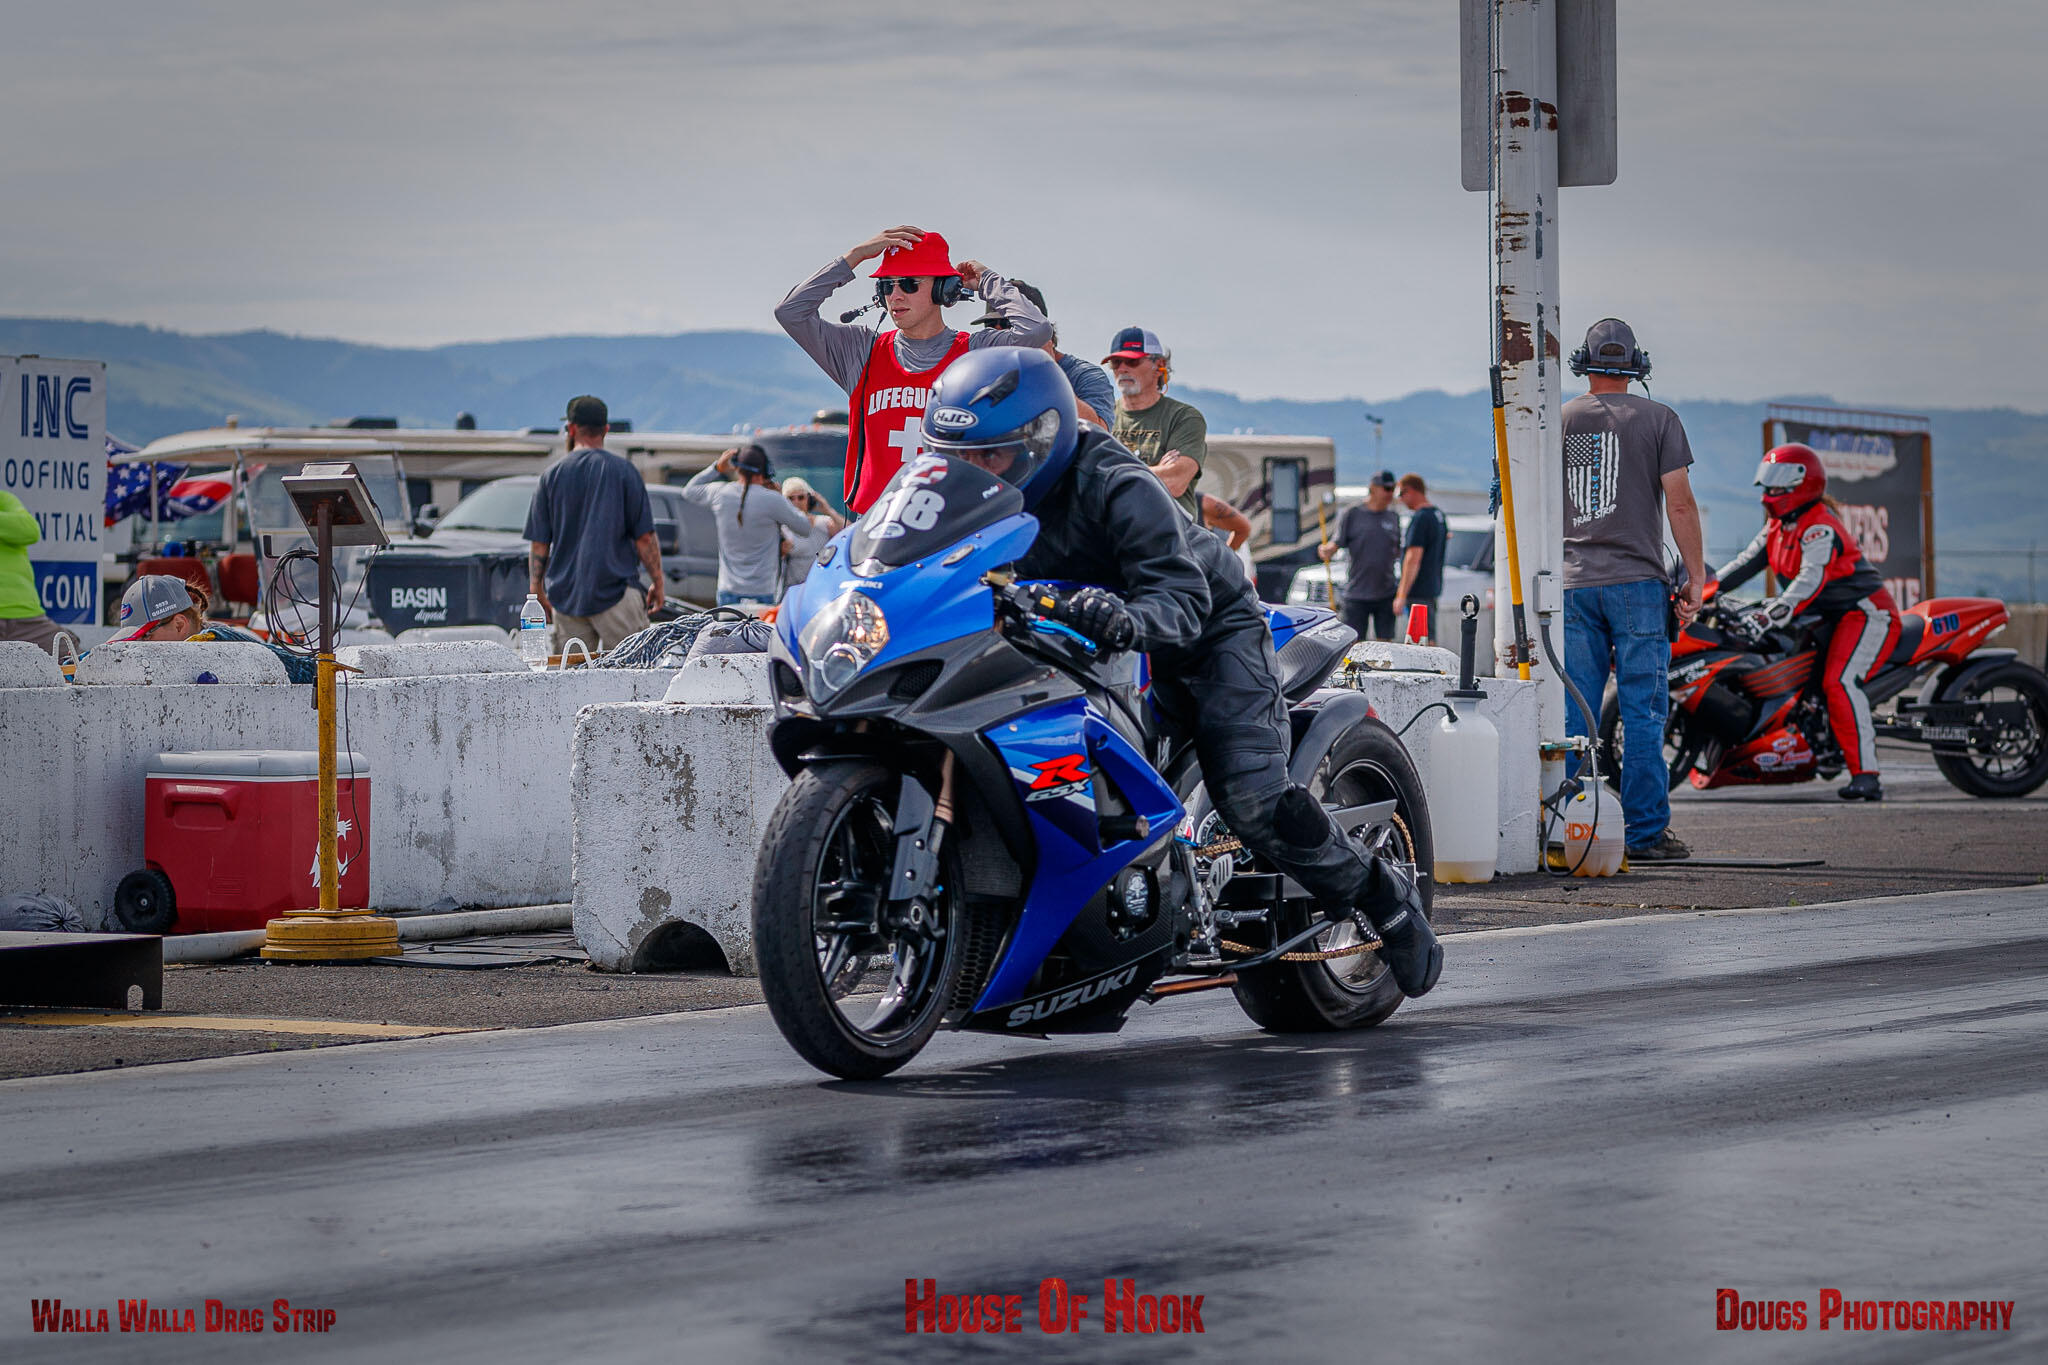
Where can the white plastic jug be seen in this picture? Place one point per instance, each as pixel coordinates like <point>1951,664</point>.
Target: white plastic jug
<point>1593,841</point>
<point>1464,790</point>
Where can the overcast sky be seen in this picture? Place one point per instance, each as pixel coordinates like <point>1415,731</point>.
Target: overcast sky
<point>1840,196</point>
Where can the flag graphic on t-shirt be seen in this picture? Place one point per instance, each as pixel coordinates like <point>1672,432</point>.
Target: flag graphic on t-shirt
<point>1592,473</point>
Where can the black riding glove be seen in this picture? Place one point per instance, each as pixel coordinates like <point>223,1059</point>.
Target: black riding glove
<point>1099,616</point>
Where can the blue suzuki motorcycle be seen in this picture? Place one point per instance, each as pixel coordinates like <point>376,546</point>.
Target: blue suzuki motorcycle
<point>989,828</point>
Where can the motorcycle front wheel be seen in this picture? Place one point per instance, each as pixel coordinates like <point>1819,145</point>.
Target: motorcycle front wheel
<point>2015,762</point>
<point>1368,765</point>
<point>856,984</point>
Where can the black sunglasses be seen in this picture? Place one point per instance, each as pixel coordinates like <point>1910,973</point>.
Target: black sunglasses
<point>909,284</point>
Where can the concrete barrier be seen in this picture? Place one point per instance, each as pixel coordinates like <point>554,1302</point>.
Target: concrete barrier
<point>23,665</point>
<point>470,799</point>
<point>431,659</point>
<point>1510,704</point>
<point>2027,632</point>
<point>427,635</point>
<point>135,663</point>
<point>670,803</point>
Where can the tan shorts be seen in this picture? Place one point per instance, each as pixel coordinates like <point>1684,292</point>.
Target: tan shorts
<point>39,631</point>
<point>608,627</point>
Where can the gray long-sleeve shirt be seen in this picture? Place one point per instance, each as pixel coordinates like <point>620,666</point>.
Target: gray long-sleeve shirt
<point>750,522</point>
<point>841,349</point>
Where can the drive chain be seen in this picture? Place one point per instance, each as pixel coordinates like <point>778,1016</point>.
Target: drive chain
<point>1320,955</point>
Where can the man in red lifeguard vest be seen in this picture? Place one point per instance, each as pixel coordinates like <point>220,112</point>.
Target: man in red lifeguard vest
<point>888,374</point>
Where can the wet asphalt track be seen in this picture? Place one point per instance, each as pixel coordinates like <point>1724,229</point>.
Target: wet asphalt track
<point>1560,1155</point>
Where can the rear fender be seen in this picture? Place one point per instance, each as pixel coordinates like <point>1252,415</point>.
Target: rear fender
<point>1953,679</point>
<point>1334,711</point>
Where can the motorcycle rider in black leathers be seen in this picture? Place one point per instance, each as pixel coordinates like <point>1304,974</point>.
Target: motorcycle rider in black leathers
<point>1104,518</point>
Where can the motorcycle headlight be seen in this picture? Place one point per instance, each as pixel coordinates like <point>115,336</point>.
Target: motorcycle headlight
<point>843,639</point>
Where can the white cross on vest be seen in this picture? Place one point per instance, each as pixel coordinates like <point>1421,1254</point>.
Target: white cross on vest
<point>910,440</point>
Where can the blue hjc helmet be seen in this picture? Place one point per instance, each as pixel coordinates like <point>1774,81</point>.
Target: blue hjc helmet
<point>1006,396</point>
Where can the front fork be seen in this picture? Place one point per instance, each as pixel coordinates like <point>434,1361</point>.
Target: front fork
<point>921,825</point>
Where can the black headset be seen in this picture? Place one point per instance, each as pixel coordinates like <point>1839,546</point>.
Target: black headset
<point>946,289</point>
<point>1637,366</point>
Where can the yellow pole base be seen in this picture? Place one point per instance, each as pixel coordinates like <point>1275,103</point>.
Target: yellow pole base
<point>336,936</point>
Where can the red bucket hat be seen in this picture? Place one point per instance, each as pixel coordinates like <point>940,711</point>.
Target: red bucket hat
<point>928,255</point>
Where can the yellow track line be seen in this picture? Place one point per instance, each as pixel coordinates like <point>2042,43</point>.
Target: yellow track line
<point>230,1024</point>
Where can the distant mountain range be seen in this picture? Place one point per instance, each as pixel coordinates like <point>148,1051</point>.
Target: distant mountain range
<point>1991,464</point>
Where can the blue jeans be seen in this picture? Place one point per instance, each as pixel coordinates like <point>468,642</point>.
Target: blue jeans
<point>1619,628</point>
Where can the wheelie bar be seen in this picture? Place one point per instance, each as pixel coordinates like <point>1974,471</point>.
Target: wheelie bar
<point>1190,985</point>
<point>1187,986</point>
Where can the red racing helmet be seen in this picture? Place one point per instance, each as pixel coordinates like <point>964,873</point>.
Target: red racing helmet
<point>1791,476</point>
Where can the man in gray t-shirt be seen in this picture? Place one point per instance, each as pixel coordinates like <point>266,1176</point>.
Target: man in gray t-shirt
<point>1624,476</point>
<point>1370,536</point>
<point>751,515</point>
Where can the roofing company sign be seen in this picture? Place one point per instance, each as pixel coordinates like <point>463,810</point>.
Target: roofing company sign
<point>53,433</point>
<point>1851,456</point>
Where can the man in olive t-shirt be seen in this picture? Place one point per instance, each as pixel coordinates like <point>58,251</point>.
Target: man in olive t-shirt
<point>1164,432</point>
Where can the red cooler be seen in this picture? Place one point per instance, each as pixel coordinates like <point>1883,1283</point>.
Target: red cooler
<point>237,833</point>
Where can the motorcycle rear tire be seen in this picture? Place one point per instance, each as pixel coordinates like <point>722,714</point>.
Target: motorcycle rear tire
<point>1963,770</point>
<point>1678,758</point>
<point>1368,763</point>
<point>787,871</point>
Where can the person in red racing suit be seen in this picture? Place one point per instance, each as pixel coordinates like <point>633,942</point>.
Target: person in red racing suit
<point>1813,554</point>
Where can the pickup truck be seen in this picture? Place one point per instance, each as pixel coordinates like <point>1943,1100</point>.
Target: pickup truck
<point>471,568</point>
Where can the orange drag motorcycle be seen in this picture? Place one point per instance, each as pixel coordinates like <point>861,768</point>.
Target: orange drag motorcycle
<point>1744,712</point>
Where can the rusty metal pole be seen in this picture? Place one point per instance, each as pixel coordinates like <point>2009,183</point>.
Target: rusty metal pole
<point>1526,313</point>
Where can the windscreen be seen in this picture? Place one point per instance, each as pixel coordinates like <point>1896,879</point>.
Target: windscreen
<point>929,505</point>
<point>499,506</point>
<point>818,455</point>
<point>1462,549</point>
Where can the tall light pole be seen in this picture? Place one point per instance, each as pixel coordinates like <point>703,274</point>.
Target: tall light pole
<point>1538,102</point>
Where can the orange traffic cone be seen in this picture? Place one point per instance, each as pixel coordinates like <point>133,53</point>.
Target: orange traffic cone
<point>1418,624</point>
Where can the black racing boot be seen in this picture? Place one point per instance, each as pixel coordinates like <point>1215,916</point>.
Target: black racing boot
<point>1862,787</point>
<point>1393,903</point>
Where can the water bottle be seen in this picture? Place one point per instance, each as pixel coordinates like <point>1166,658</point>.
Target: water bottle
<point>533,633</point>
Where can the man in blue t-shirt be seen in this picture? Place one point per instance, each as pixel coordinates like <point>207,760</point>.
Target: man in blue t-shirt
<point>592,530</point>
<point>1422,555</point>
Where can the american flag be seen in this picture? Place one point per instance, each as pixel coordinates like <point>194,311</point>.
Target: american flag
<point>1592,474</point>
<point>177,497</point>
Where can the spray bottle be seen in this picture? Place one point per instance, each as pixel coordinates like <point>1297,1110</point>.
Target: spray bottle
<point>1464,768</point>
